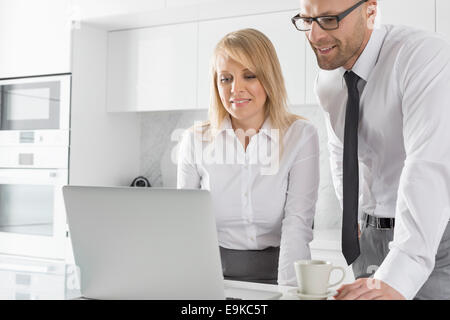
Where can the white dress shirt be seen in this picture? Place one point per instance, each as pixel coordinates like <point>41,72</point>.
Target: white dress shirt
<point>403,144</point>
<point>256,207</point>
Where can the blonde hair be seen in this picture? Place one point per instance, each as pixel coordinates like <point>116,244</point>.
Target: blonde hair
<point>254,50</point>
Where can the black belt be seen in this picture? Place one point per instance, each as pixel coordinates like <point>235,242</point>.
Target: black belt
<point>378,223</point>
<point>250,265</point>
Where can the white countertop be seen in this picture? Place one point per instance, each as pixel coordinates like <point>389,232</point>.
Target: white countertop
<point>27,278</point>
<point>32,279</point>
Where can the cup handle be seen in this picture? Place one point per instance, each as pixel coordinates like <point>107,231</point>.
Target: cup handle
<point>340,280</point>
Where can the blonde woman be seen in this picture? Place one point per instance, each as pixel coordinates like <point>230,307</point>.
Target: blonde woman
<point>259,162</point>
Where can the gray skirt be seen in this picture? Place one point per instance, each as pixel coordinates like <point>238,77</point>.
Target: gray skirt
<point>250,265</point>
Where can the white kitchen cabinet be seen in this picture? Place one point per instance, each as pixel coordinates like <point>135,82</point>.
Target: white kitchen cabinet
<point>237,6</point>
<point>184,3</point>
<point>153,69</point>
<point>88,9</point>
<point>242,8</point>
<point>288,42</point>
<point>34,37</point>
<point>125,16</point>
<point>442,20</point>
<point>414,13</point>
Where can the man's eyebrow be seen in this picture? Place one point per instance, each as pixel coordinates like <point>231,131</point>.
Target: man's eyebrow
<point>324,14</point>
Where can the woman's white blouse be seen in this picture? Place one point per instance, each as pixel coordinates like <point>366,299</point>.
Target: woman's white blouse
<point>258,200</point>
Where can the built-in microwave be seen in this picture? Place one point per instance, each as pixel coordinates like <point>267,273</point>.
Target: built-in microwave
<point>34,164</point>
<point>35,110</point>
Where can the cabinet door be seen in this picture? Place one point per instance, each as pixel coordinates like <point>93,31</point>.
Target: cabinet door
<point>34,37</point>
<point>288,42</point>
<point>153,68</point>
<point>414,13</point>
<point>442,21</point>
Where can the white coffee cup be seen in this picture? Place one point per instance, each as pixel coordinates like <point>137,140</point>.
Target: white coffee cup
<point>313,276</point>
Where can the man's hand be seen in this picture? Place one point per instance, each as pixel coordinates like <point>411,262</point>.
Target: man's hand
<point>368,289</point>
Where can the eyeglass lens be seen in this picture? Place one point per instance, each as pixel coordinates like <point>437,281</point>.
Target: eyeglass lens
<point>328,23</point>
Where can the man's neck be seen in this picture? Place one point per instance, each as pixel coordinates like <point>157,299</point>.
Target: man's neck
<point>350,63</point>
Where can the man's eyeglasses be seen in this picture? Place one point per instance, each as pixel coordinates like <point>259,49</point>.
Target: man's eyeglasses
<point>325,22</point>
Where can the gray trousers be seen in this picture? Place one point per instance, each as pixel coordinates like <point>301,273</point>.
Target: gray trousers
<point>250,265</point>
<point>374,248</point>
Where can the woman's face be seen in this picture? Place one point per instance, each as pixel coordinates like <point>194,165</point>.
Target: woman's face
<point>241,93</point>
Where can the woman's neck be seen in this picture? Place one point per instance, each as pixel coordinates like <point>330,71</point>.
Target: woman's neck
<point>246,130</point>
<point>247,126</point>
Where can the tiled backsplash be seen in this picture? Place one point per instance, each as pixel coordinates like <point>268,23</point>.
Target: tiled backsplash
<point>159,136</point>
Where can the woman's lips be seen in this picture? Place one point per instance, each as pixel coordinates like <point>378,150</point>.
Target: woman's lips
<point>240,102</point>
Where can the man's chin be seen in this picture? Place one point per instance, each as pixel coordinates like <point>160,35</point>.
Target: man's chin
<point>327,65</point>
<point>332,60</point>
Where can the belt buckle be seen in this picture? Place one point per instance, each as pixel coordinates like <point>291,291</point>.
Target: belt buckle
<point>378,223</point>
<point>366,219</point>
<point>379,227</point>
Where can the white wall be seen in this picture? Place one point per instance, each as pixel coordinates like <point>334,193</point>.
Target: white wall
<point>34,37</point>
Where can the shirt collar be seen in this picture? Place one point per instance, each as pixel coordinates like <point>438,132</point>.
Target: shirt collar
<point>225,125</point>
<point>266,128</point>
<point>368,59</point>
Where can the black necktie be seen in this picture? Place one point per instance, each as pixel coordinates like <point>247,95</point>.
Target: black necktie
<point>350,241</point>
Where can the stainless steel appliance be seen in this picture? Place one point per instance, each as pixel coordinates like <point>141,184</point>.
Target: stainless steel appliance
<point>34,162</point>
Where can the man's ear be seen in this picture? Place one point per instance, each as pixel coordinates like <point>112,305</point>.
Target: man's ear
<point>372,10</point>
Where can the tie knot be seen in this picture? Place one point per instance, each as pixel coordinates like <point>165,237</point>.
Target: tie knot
<point>351,79</point>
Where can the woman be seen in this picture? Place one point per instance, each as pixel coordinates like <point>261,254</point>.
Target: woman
<point>259,162</point>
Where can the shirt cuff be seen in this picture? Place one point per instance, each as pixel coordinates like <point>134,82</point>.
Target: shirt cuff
<point>402,273</point>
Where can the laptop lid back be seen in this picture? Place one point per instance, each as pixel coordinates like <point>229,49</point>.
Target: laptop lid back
<point>144,243</point>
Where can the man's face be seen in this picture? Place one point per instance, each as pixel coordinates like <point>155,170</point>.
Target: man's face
<point>340,47</point>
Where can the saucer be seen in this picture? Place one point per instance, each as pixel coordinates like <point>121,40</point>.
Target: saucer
<point>304,296</point>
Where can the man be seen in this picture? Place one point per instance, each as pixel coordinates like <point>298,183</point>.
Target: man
<point>386,99</point>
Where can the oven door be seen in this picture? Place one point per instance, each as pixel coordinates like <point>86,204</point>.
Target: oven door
<point>36,103</point>
<point>32,214</point>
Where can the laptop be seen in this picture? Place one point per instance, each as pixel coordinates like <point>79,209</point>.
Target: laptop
<point>148,243</point>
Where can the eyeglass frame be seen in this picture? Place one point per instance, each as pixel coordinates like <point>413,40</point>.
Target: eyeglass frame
<point>338,17</point>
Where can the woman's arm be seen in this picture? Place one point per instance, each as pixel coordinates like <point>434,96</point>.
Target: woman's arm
<point>187,173</point>
<point>301,198</point>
